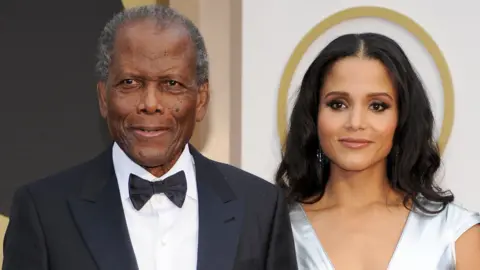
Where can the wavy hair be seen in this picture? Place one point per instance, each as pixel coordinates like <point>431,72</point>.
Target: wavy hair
<point>414,158</point>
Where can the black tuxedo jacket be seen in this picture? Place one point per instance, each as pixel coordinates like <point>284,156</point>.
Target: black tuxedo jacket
<point>74,221</point>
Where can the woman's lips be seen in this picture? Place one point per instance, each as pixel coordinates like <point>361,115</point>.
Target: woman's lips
<point>354,143</point>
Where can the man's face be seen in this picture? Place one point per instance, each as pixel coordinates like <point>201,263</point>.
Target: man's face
<point>151,100</point>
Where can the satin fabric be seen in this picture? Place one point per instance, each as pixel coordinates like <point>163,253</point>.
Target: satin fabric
<point>427,241</point>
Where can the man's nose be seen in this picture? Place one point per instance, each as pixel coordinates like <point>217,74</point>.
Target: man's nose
<point>151,102</point>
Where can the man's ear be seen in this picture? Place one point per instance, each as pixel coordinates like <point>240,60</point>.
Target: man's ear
<point>102,98</point>
<point>202,101</point>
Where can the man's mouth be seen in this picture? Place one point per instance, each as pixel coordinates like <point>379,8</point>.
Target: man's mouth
<point>149,132</point>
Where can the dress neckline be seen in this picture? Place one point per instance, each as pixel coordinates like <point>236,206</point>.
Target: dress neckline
<point>324,254</point>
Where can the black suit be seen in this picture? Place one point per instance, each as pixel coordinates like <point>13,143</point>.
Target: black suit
<point>74,221</point>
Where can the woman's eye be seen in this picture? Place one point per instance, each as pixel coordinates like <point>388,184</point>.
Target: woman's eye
<point>379,106</point>
<point>336,105</point>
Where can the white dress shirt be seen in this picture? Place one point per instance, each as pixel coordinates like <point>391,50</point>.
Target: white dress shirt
<point>163,236</point>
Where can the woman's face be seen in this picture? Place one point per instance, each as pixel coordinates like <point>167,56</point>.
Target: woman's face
<point>357,116</point>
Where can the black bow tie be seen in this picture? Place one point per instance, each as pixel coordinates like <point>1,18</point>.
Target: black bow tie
<point>141,190</point>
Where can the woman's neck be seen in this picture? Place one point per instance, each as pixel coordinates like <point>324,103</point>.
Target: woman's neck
<point>359,189</point>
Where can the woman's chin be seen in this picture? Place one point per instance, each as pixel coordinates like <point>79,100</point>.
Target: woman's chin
<point>352,166</point>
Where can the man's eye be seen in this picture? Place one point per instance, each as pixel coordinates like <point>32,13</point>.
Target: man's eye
<point>173,86</point>
<point>172,83</point>
<point>128,81</point>
<point>128,84</point>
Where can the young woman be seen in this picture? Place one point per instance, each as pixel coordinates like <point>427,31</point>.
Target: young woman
<point>359,166</point>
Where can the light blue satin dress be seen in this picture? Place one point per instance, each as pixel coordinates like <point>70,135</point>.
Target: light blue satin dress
<point>427,241</point>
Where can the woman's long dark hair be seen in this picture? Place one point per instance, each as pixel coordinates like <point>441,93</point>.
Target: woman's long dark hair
<point>414,158</point>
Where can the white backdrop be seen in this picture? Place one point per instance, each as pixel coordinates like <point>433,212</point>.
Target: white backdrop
<point>273,28</point>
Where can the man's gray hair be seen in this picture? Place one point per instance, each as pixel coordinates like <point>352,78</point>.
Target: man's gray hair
<point>164,16</point>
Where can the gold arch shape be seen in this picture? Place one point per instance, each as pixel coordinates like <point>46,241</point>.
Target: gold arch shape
<point>377,12</point>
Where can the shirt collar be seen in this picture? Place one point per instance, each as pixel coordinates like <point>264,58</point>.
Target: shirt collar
<point>124,166</point>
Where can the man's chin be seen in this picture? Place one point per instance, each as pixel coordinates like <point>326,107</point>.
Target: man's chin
<point>156,165</point>
<point>149,157</point>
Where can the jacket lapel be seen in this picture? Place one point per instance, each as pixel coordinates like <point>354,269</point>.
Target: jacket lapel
<point>100,218</point>
<point>220,216</point>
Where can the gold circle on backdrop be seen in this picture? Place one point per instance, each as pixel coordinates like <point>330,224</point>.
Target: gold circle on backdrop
<point>377,12</point>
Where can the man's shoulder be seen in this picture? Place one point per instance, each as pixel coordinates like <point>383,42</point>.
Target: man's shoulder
<point>247,183</point>
<point>67,180</point>
<point>246,178</point>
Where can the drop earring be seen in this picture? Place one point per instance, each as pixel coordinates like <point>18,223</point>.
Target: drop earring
<point>322,159</point>
<point>319,156</point>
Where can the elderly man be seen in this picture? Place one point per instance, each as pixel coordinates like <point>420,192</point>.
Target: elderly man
<point>151,201</point>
